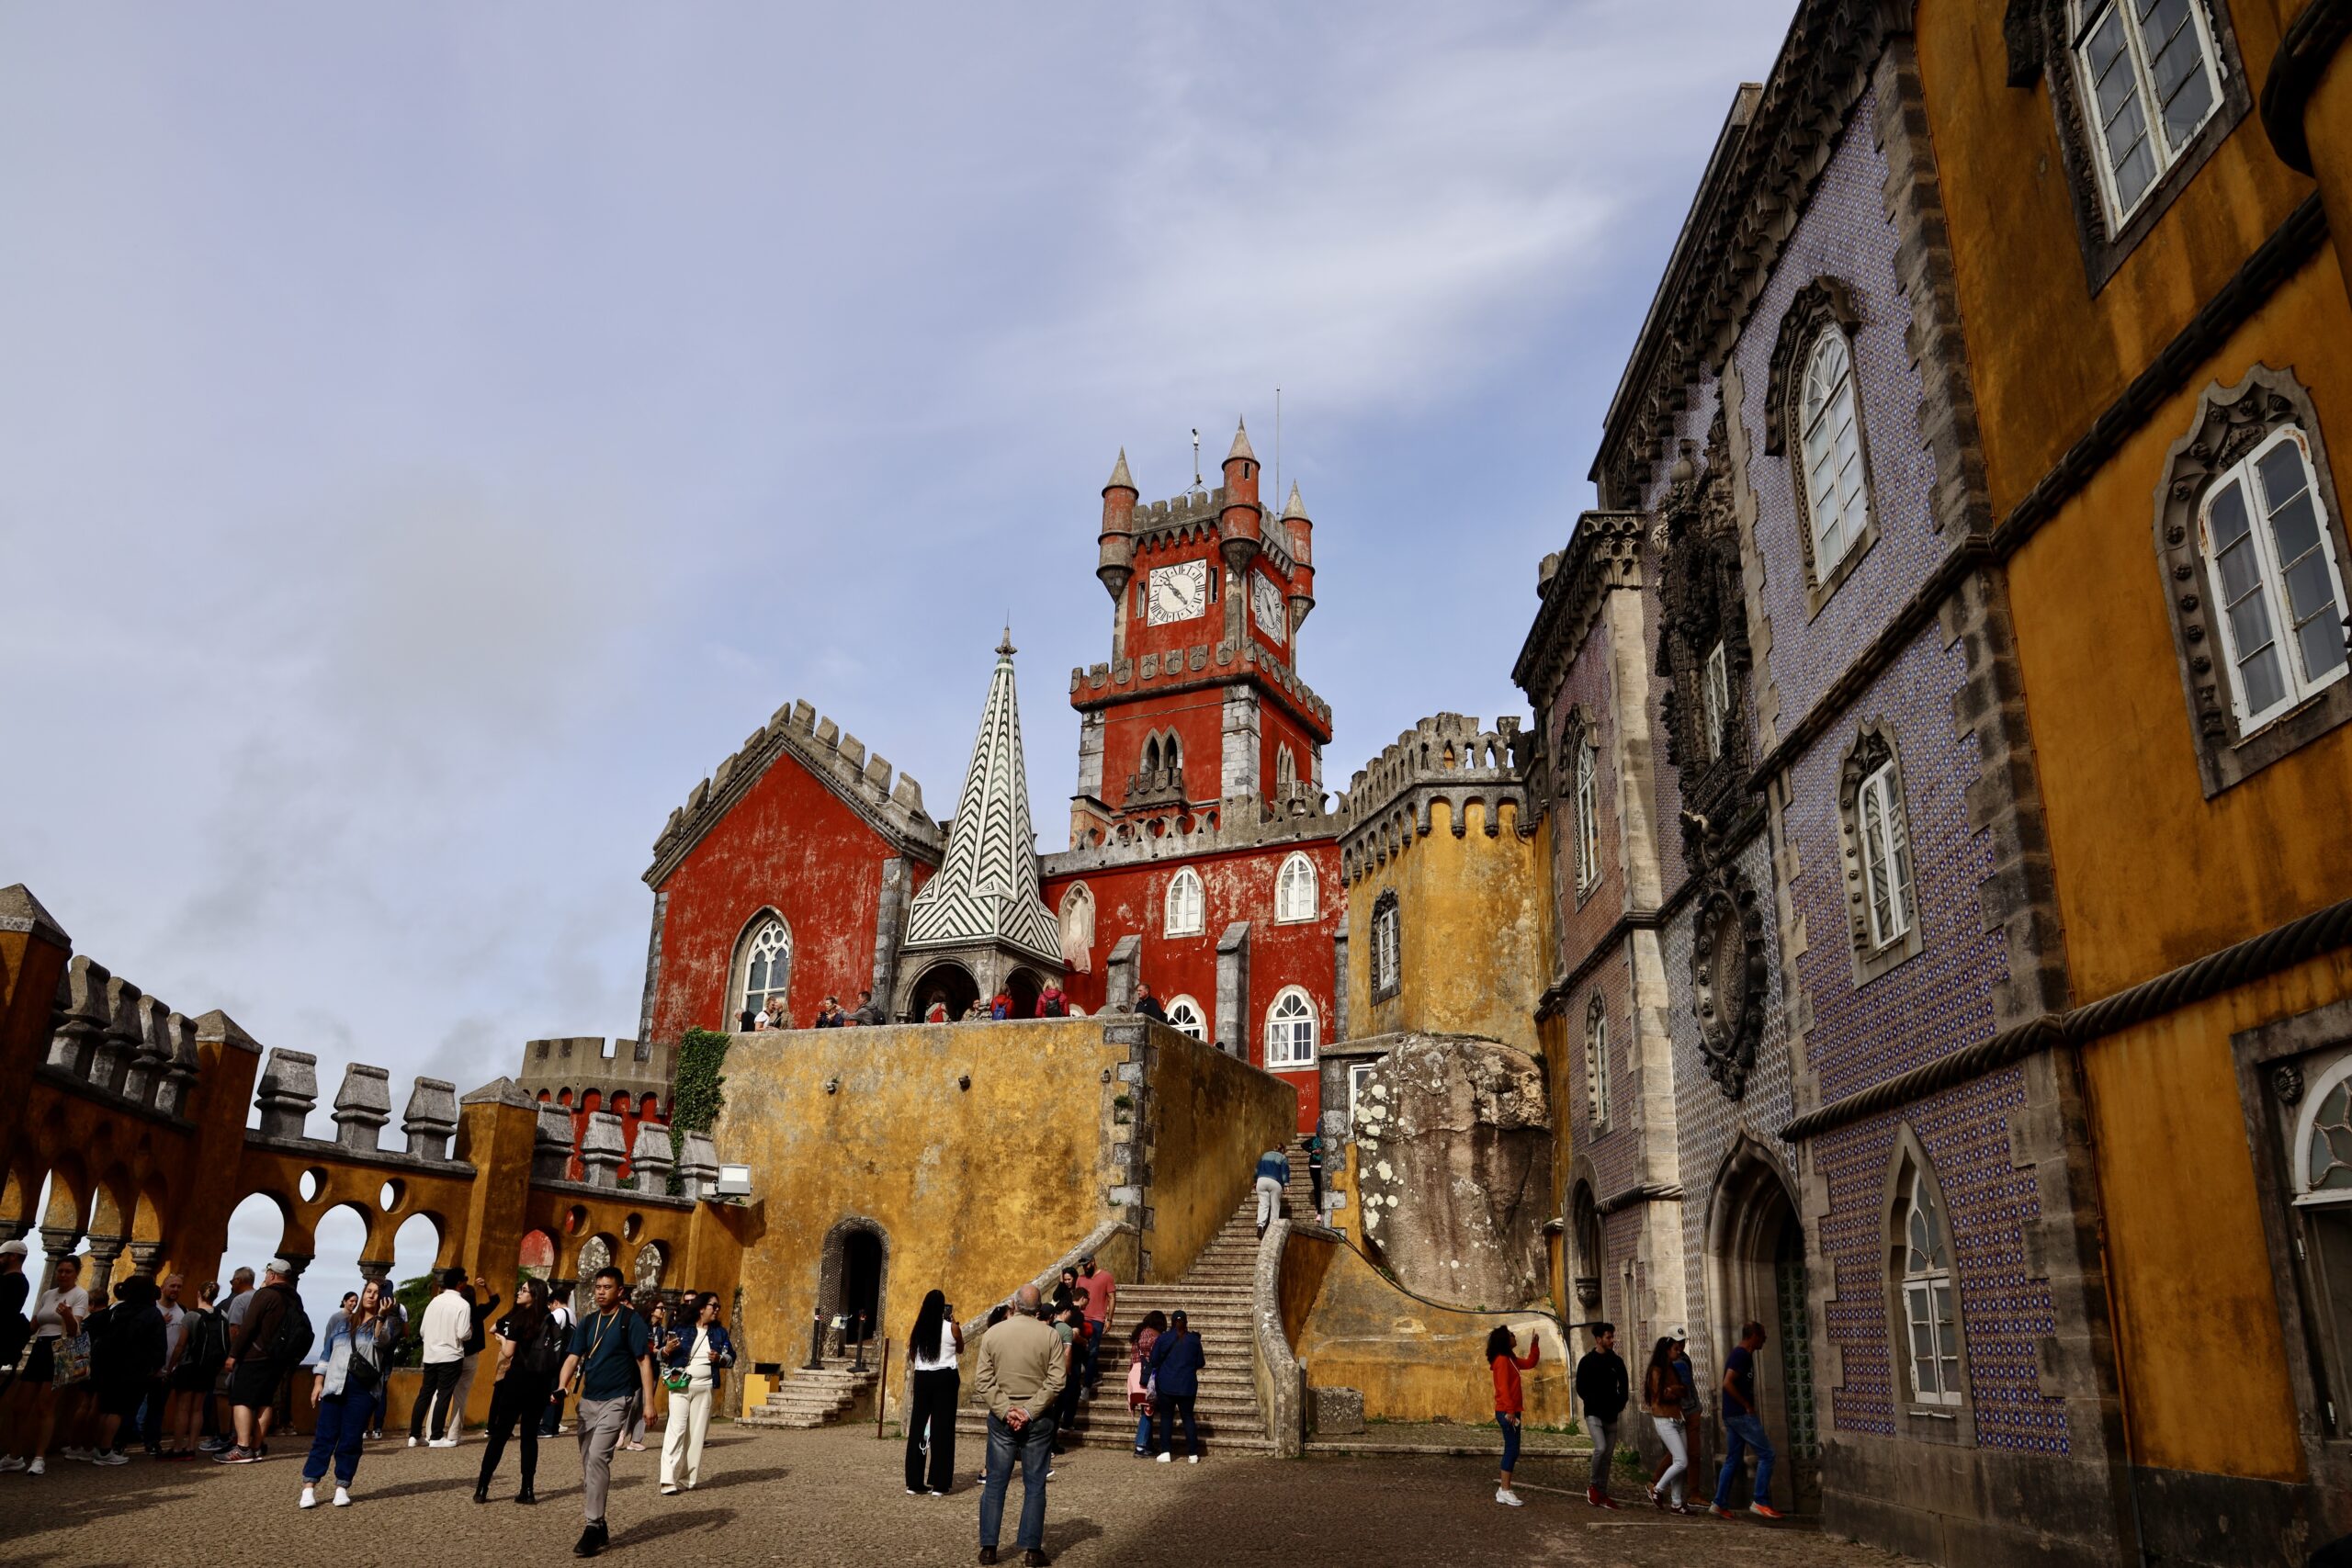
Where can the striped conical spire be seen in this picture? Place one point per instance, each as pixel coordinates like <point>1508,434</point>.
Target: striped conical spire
<point>986,886</point>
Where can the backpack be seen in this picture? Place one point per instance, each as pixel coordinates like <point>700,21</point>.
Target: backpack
<point>207,1340</point>
<point>100,1330</point>
<point>542,1355</point>
<point>1052,1005</point>
<point>295,1335</point>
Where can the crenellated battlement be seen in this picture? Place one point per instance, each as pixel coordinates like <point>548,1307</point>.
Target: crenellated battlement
<point>1444,757</point>
<point>1099,685</point>
<point>1241,823</point>
<point>107,1035</point>
<point>864,782</point>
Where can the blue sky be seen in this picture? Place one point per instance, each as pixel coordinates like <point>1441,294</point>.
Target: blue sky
<point>430,437</point>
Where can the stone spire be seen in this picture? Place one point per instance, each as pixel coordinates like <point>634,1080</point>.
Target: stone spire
<point>986,892</point>
<point>1241,447</point>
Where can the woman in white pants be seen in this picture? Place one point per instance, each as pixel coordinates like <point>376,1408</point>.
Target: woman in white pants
<point>695,1359</point>
<point>1662,1393</point>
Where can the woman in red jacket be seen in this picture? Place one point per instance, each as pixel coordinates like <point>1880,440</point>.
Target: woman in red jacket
<point>1509,1403</point>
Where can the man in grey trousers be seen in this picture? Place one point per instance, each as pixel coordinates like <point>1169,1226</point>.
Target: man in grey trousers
<point>608,1360</point>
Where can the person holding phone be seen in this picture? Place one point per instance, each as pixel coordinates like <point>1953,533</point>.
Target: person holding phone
<point>696,1357</point>
<point>342,1395</point>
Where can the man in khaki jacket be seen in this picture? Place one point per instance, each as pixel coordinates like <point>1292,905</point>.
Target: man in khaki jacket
<point>1022,1364</point>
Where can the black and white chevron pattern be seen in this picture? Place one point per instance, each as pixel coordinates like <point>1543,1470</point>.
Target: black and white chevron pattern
<point>987,887</point>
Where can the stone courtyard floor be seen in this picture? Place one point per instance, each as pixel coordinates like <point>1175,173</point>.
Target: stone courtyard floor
<point>838,1497</point>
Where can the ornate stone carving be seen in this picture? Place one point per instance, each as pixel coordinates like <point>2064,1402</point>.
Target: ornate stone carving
<point>1728,974</point>
<point>1825,302</point>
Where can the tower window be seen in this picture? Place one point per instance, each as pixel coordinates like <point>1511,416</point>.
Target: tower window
<point>1714,700</point>
<point>1386,966</point>
<point>1185,912</point>
<point>1830,451</point>
<point>1294,889</point>
<point>1586,787</point>
<point>765,966</point>
<point>1876,842</point>
<point>1596,1061</point>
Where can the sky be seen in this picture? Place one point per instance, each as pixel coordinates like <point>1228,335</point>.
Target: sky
<point>433,436</point>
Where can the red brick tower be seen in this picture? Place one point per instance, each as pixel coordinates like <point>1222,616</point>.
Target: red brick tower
<point>1200,712</point>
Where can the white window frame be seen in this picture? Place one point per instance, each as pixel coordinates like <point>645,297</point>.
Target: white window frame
<point>1283,1027</point>
<point>1820,409</point>
<point>1714,698</point>
<point>1928,1291</point>
<point>1387,974</point>
<point>753,999</point>
<point>1292,904</point>
<point>1596,1061</point>
<point>1359,1073</point>
<point>1886,861</point>
<point>1199,1028</point>
<point>2143,97</point>
<point>1185,909</point>
<point>2297,687</point>
<point>1587,768</point>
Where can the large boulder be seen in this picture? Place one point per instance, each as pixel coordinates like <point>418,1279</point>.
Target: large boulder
<point>1453,1142</point>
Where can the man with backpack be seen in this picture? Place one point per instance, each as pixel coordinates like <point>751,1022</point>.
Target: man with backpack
<point>275,1335</point>
<point>126,1349</point>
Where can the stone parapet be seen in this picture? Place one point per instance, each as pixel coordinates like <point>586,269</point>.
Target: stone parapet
<point>1446,757</point>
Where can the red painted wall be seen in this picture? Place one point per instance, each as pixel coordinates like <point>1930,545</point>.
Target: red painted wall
<point>588,1104</point>
<point>1238,886</point>
<point>790,844</point>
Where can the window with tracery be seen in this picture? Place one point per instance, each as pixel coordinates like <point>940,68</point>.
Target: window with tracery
<point>1186,905</point>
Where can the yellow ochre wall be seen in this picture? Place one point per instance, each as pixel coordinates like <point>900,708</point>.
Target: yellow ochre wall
<point>1470,914</point>
<point>977,1191</point>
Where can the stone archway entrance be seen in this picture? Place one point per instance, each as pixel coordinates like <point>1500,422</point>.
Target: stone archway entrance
<point>1756,1272</point>
<point>947,982</point>
<point>1023,986</point>
<point>854,1276</point>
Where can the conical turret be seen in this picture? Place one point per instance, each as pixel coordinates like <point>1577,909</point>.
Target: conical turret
<point>1240,525</point>
<point>1301,530</point>
<point>1115,560</point>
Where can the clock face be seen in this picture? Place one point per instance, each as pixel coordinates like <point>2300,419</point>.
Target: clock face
<point>1267,601</point>
<point>1177,592</point>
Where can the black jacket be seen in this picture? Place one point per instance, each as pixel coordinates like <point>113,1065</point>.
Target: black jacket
<point>477,1338</point>
<point>1601,1384</point>
<point>1149,1006</point>
<point>14,1326</point>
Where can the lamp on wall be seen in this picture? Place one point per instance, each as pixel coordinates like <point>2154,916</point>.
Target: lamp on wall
<point>734,1181</point>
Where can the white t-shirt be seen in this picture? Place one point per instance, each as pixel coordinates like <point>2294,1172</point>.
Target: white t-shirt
<point>945,1357</point>
<point>47,1324</point>
<point>699,1359</point>
<point>449,1322</point>
<point>175,1329</point>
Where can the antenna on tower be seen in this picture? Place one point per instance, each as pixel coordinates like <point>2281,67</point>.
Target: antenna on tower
<point>1196,457</point>
<point>1278,440</point>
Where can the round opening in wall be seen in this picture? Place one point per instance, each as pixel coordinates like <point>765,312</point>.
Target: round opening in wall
<point>631,1225</point>
<point>573,1219</point>
<point>313,1182</point>
<point>390,1197</point>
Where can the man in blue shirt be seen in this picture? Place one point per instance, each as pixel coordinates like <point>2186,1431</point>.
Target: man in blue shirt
<point>609,1358</point>
<point>1744,1429</point>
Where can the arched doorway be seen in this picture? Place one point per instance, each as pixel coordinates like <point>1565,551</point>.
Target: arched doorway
<point>1756,1272</point>
<point>1023,987</point>
<point>854,1274</point>
<point>949,983</point>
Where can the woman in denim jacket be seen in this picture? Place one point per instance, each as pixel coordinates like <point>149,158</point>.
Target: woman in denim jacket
<point>343,1393</point>
<point>698,1354</point>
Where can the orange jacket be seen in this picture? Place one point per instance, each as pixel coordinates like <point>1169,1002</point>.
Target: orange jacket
<point>1508,1400</point>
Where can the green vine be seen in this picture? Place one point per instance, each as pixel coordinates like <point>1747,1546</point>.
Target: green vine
<point>696,1094</point>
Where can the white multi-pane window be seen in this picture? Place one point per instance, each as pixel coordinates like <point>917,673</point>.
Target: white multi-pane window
<point>1886,859</point>
<point>1186,904</point>
<point>1595,1063</point>
<point>767,967</point>
<point>1934,1339</point>
<point>2276,580</point>
<point>1714,700</point>
<point>1185,1015</point>
<point>1831,440</point>
<point>2150,82</point>
<point>1384,976</point>
<point>1588,811</point>
<point>1290,1030</point>
<point>1294,889</point>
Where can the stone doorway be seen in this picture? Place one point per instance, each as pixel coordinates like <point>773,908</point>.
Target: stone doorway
<point>1022,986</point>
<point>852,1277</point>
<point>1756,1272</point>
<point>949,985</point>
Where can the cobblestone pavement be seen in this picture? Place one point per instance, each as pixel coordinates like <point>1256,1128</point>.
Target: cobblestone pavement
<point>837,1497</point>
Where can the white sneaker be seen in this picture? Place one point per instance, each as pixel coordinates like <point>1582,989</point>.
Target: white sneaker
<point>412,1442</point>
<point>112,1456</point>
<point>670,1491</point>
<point>37,1467</point>
<point>342,1498</point>
<point>310,1499</point>
<point>1168,1458</point>
<point>10,1463</point>
<point>442,1443</point>
<point>71,1453</point>
<point>1192,1459</point>
<point>1507,1497</point>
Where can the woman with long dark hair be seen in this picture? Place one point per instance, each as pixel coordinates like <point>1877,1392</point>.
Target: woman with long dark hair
<point>1510,1401</point>
<point>1662,1397</point>
<point>935,1352</point>
<point>531,1342</point>
<point>1139,1343</point>
<point>695,1359</point>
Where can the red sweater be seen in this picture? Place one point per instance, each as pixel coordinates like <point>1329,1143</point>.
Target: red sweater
<point>1507,1400</point>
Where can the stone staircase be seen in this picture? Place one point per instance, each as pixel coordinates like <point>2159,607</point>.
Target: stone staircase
<point>818,1398</point>
<point>1216,1295</point>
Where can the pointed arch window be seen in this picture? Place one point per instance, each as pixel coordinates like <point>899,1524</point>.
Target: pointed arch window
<point>1294,890</point>
<point>1186,912</point>
<point>1077,924</point>
<point>1386,967</point>
<point>1714,700</point>
<point>1931,1340</point>
<point>763,968</point>
<point>1596,1061</point>
<point>1585,763</point>
<point>1829,448</point>
<point>1185,1015</point>
<point>1290,1030</point>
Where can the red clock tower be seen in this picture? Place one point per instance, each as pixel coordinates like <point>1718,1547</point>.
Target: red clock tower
<point>1200,712</point>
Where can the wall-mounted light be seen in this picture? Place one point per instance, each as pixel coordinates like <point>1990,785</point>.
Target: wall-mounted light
<point>734,1181</point>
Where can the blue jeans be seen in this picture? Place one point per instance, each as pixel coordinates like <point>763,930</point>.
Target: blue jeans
<point>1143,1430</point>
<point>1170,1406</point>
<point>342,1422</point>
<point>1745,1432</point>
<point>1035,1444</point>
<point>1509,1424</point>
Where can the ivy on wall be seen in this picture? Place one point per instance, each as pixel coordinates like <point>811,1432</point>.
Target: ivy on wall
<point>697,1093</point>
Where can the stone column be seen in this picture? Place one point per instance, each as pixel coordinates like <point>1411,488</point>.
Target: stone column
<point>118,1038</point>
<point>376,1268</point>
<point>145,1256</point>
<point>602,1151</point>
<point>431,1118</point>
<point>650,1158</point>
<point>144,1075</point>
<point>56,1254</point>
<point>179,1069</point>
<point>299,1261</point>
<point>551,1147</point>
<point>289,1088</point>
<point>102,1252</point>
<point>1119,975</point>
<point>697,1164</point>
<point>362,1106</point>
<point>80,1021</point>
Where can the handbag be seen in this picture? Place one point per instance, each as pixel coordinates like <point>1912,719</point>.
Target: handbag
<point>361,1372</point>
<point>73,1360</point>
<point>677,1379</point>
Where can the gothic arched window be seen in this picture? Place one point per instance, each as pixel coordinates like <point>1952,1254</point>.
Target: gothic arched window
<point>1294,889</point>
<point>763,967</point>
<point>1185,913</point>
<point>1596,1061</point>
<point>1931,1332</point>
<point>1875,835</point>
<point>1290,1030</point>
<point>1829,449</point>
<point>1584,761</point>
